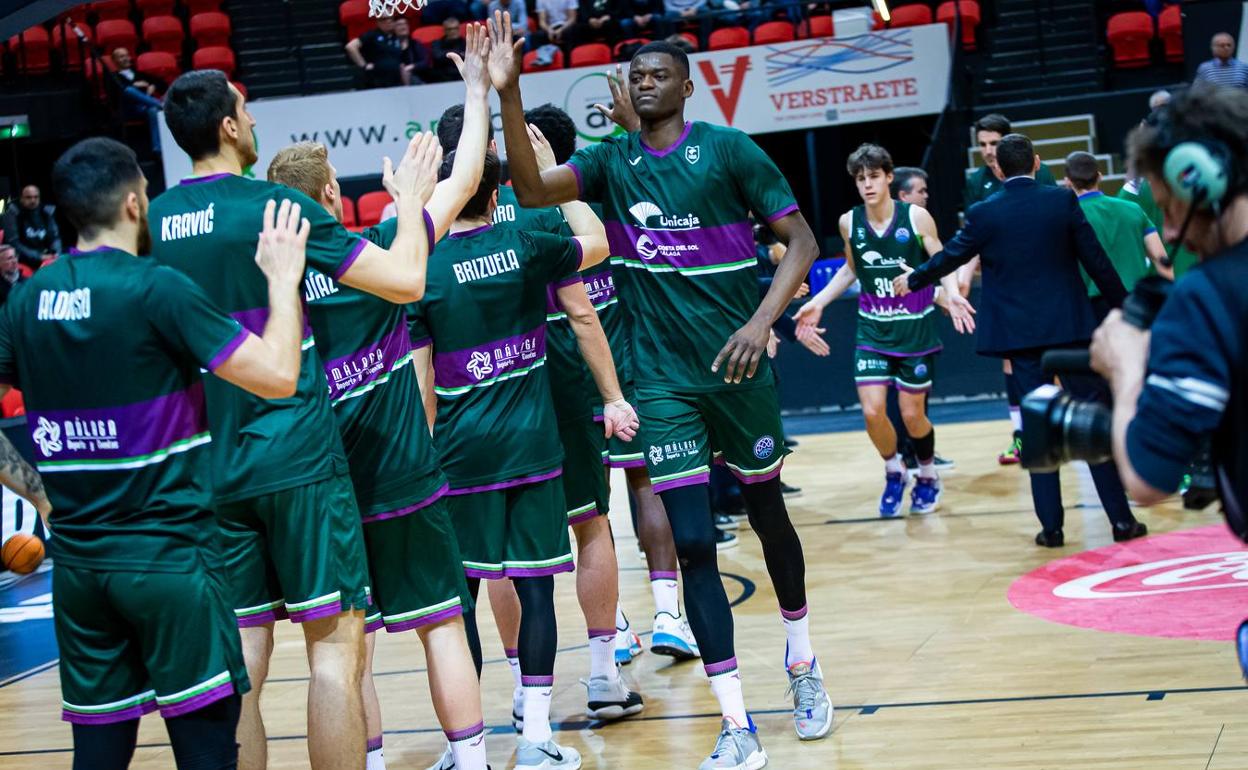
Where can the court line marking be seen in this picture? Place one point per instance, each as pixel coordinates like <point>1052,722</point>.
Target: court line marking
<point>1216,741</point>
<point>862,709</point>
<point>30,672</point>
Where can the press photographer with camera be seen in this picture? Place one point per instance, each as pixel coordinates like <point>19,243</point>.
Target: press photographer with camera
<point>1183,381</point>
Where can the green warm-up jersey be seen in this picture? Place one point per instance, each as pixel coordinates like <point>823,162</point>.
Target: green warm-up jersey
<point>107,349</point>
<point>895,326</point>
<point>679,221</point>
<point>983,184</point>
<point>484,313</point>
<point>207,227</point>
<point>373,390</point>
<point>1120,226</point>
<point>1140,192</point>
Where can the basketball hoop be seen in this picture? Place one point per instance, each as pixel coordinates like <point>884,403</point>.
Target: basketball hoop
<point>386,8</point>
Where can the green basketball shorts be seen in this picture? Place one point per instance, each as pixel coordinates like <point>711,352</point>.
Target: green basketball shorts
<point>513,531</point>
<point>911,374</point>
<point>584,479</point>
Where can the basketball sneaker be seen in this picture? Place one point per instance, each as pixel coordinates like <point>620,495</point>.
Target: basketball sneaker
<point>611,700</point>
<point>737,748</point>
<point>627,645</point>
<point>724,540</point>
<point>925,497</point>
<point>673,638</point>
<point>546,756</point>
<point>517,709</point>
<point>1013,455</point>
<point>812,708</point>
<point>445,762</point>
<point>894,491</point>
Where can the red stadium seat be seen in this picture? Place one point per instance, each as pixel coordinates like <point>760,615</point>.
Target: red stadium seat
<point>211,28</point>
<point>1170,29</point>
<point>106,10</point>
<point>773,32</point>
<point>429,34</point>
<point>369,206</point>
<point>96,75</point>
<point>33,50</point>
<point>66,43</point>
<point>201,6</point>
<point>691,39</point>
<point>728,37</point>
<point>116,33</point>
<point>348,212</point>
<point>816,26</point>
<point>155,7</point>
<point>164,33</point>
<point>946,13</point>
<point>242,89</point>
<point>214,57</point>
<point>530,62</point>
<point>353,14</point>
<point>910,15</point>
<point>638,41</point>
<point>590,55</point>
<point>162,64</point>
<point>1129,34</point>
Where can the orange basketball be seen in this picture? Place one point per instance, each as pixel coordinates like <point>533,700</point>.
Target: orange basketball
<point>22,554</point>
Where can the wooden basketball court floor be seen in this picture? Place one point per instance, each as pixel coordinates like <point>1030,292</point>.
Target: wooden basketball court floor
<point>929,665</point>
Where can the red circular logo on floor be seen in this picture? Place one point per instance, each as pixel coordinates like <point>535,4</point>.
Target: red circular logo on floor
<point>1181,585</point>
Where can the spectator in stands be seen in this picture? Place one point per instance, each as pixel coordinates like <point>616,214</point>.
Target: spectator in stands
<point>519,15</point>
<point>415,58</point>
<point>1223,69</point>
<point>31,229</point>
<point>442,10</point>
<point>596,21</point>
<point>1158,99</point>
<point>378,53</point>
<point>910,185</point>
<point>137,92</point>
<point>676,13</point>
<point>638,17</point>
<point>10,271</point>
<point>444,70</point>
<point>556,20</point>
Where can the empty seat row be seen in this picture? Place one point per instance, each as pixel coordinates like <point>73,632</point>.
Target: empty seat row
<point>162,34</point>
<point>1130,36</point>
<point>123,9</point>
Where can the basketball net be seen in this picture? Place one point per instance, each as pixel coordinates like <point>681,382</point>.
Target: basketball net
<point>384,8</point>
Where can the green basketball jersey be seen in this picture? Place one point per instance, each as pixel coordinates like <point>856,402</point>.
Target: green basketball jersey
<point>679,221</point>
<point>1120,226</point>
<point>895,326</point>
<point>367,351</point>
<point>983,184</point>
<point>484,312</point>
<point>107,349</point>
<point>207,227</point>
<point>1140,192</point>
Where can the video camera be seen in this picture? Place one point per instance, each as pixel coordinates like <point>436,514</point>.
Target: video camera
<point>1058,429</point>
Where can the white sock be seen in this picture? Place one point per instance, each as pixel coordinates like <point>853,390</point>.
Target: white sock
<point>1016,418</point>
<point>468,747</point>
<point>726,684</point>
<point>797,632</point>
<point>621,620</point>
<point>602,653</point>
<point>927,470</point>
<point>664,587</point>
<point>513,661</point>
<point>374,760</point>
<point>893,464</point>
<point>537,694</point>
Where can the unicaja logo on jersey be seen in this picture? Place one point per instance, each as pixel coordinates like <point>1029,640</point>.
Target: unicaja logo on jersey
<point>645,211</point>
<point>480,365</point>
<point>48,437</point>
<point>764,447</point>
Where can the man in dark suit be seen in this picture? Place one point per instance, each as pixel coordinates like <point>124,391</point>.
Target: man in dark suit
<point>1031,239</point>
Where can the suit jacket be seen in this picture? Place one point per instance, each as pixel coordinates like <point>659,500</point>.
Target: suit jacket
<point>1031,239</point>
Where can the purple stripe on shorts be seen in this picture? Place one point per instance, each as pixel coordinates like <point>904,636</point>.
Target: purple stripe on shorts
<point>873,381</point>
<point>483,574</point>
<point>537,681</point>
<point>353,255</point>
<point>430,500</point>
<point>374,743</point>
<point>598,633</point>
<point>467,367</point>
<point>723,667</point>
<point>507,484</point>
<point>227,351</point>
<point>316,613</point>
<point>466,733</point>
<point>134,712</point>
<point>261,618</point>
<point>782,213</point>
<point>796,614</point>
<point>741,477</point>
<point>580,182</point>
<point>198,702</point>
<point>515,572</point>
<point>658,575</point>
<point>373,626</point>
<point>891,354</point>
<point>428,620</point>
<point>687,481</point>
<point>639,463</point>
<point>911,389</point>
<point>581,518</point>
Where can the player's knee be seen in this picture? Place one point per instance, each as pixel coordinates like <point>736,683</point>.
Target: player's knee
<point>916,421</point>
<point>874,412</point>
<point>694,545</point>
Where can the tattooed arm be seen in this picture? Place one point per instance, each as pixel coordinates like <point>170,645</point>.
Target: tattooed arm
<point>21,478</point>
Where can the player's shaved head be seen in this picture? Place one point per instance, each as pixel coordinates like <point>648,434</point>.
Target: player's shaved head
<point>1082,170</point>
<point>478,206</point>
<point>304,167</point>
<point>558,128</point>
<point>1016,156</point>
<point>93,180</point>
<point>196,104</point>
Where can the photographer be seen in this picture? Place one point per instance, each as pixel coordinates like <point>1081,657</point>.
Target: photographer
<point>1184,381</point>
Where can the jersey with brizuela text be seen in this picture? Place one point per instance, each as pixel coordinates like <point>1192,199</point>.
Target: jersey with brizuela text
<point>207,227</point>
<point>484,313</point>
<point>888,324</point>
<point>679,221</point>
<point>107,349</point>
<point>373,390</point>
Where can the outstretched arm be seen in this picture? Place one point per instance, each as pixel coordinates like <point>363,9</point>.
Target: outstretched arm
<point>584,223</point>
<point>960,310</point>
<point>20,477</point>
<point>810,314</point>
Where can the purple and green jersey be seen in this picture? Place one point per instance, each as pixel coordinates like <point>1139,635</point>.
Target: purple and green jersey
<point>888,324</point>
<point>484,313</point>
<point>373,391</point>
<point>107,349</point>
<point>678,221</point>
<point>207,227</point>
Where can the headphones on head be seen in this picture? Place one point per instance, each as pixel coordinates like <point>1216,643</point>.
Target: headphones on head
<point>1198,172</point>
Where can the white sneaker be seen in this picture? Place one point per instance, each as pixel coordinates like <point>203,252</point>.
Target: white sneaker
<point>611,699</point>
<point>517,709</point>
<point>445,762</point>
<point>673,638</point>
<point>546,756</point>
<point>627,645</point>
<point>738,748</point>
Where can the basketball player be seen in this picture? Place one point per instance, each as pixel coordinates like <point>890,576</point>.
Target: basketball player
<point>897,339</point>
<point>496,428</point>
<point>293,539</point>
<point>677,198</point>
<point>107,348</point>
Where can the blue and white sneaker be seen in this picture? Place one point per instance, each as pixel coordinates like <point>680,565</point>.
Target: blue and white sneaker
<point>738,748</point>
<point>925,497</point>
<point>894,491</point>
<point>673,638</point>
<point>627,645</point>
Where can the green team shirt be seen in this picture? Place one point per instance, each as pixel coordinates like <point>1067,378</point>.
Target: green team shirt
<point>484,312</point>
<point>373,390</point>
<point>107,349</point>
<point>895,326</point>
<point>679,221</point>
<point>1140,192</point>
<point>1120,226</point>
<point>983,184</point>
<point>207,227</point>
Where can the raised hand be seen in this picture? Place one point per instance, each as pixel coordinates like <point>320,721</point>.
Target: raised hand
<point>619,419</point>
<point>281,250</point>
<point>505,52</point>
<point>962,313</point>
<point>417,173</point>
<point>541,148</point>
<point>621,112</point>
<point>474,67</point>
<point>807,318</point>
